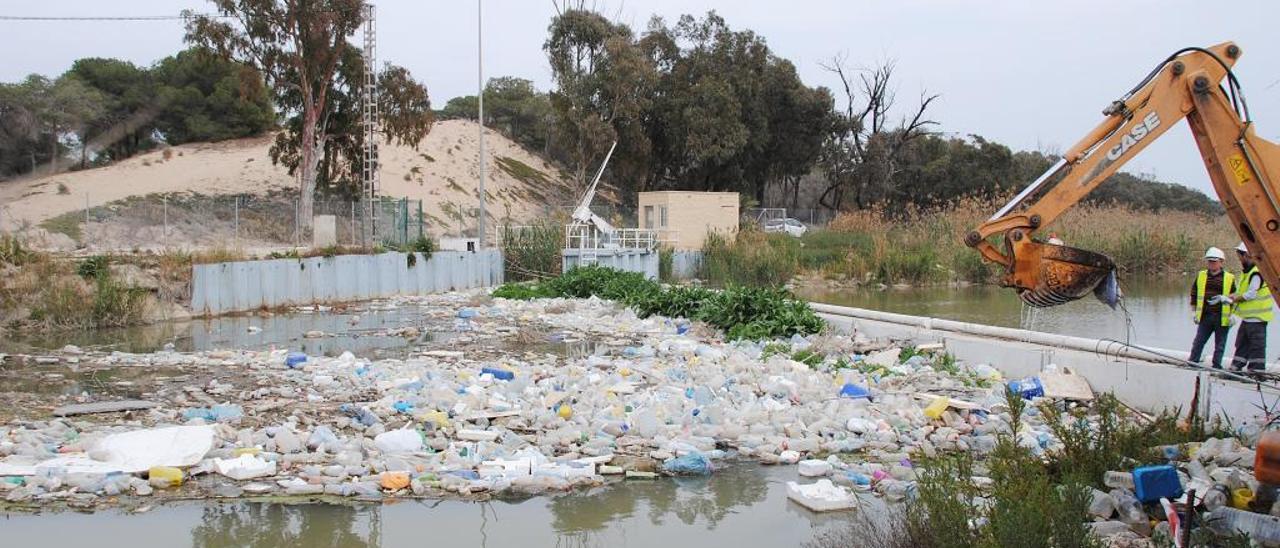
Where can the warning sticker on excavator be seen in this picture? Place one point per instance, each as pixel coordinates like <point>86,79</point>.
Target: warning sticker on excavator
<point>1239,168</point>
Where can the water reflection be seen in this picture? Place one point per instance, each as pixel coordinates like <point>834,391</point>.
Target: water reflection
<point>690,500</point>
<point>263,524</point>
<point>742,505</point>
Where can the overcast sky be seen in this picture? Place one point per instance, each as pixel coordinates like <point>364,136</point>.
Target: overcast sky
<point>1030,74</point>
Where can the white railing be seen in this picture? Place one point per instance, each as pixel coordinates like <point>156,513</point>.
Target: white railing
<point>587,236</point>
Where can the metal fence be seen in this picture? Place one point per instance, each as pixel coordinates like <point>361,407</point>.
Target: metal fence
<point>245,221</point>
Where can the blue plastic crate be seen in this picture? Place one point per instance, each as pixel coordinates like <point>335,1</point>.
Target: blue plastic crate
<point>1151,483</point>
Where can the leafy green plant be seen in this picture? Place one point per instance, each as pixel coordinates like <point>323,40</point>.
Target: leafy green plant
<point>521,291</point>
<point>774,349</point>
<point>94,267</point>
<point>807,357</point>
<point>742,312</point>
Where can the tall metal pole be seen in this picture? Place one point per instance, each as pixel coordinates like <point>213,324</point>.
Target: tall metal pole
<point>480,117</point>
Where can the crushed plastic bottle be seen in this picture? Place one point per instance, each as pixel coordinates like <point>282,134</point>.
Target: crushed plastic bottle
<point>1102,505</point>
<point>1131,512</point>
<point>1261,528</point>
<point>362,415</point>
<point>1118,480</point>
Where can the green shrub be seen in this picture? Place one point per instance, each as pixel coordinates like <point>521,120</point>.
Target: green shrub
<point>94,267</point>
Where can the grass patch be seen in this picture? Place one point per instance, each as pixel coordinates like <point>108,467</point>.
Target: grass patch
<point>68,223</point>
<point>742,312</point>
<point>522,172</point>
<point>752,258</point>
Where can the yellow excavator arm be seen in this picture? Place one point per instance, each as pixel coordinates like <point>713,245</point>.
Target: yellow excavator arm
<point>1189,84</point>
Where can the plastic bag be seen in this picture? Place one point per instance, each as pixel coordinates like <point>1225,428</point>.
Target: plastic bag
<point>398,441</point>
<point>691,464</point>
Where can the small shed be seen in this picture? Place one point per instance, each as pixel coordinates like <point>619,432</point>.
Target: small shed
<point>683,219</point>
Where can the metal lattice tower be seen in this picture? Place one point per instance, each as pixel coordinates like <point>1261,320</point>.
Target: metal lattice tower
<point>370,119</point>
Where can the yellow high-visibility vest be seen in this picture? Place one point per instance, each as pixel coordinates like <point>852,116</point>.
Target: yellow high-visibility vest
<point>1201,280</point>
<point>1258,308</point>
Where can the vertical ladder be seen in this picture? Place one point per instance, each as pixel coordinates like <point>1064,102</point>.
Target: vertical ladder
<point>369,120</point>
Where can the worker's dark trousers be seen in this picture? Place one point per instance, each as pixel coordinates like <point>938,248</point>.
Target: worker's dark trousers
<point>1210,326</point>
<point>1251,346</point>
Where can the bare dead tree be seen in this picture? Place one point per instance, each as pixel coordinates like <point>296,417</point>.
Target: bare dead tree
<point>862,156</point>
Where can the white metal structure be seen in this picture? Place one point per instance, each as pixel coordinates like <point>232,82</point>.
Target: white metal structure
<point>369,119</point>
<point>588,233</point>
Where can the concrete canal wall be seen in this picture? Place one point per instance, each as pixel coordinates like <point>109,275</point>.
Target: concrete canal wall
<point>248,285</point>
<point>1141,378</point>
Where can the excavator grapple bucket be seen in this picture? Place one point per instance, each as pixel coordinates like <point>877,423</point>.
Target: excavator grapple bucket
<point>1049,275</point>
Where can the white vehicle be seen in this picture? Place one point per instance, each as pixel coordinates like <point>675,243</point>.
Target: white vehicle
<point>790,226</point>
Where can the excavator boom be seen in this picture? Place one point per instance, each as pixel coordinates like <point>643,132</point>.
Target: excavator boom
<point>1194,83</point>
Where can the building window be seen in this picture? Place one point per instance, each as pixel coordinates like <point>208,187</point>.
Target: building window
<point>662,212</point>
<point>648,216</point>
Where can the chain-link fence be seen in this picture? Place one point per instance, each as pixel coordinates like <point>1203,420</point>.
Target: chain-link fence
<point>246,221</point>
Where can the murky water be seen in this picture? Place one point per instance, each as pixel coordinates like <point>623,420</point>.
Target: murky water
<point>743,505</point>
<point>359,329</point>
<point>1158,311</point>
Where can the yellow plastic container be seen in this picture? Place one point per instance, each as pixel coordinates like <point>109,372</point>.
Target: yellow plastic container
<point>1240,498</point>
<point>162,477</point>
<point>935,408</point>
<point>565,412</point>
<point>439,418</point>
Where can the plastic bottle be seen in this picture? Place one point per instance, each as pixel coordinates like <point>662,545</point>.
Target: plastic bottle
<point>1131,512</point>
<point>162,477</point>
<point>1261,528</point>
<point>1217,497</point>
<point>1102,505</point>
<point>1118,480</point>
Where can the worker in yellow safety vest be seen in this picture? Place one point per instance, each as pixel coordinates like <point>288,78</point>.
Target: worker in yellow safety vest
<point>1252,303</point>
<point>1211,304</point>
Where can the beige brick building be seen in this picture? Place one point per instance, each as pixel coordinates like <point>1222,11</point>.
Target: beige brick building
<point>684,218</point>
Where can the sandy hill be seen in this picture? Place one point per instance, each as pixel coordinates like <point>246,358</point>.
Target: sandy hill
<point>442,172</point>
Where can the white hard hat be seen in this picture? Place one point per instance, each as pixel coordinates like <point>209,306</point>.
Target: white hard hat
<point>1241,248</point>
<point>1214,253</point>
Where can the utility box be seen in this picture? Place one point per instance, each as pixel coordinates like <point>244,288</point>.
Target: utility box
<point>324,231</point>
<point>683,219</point>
